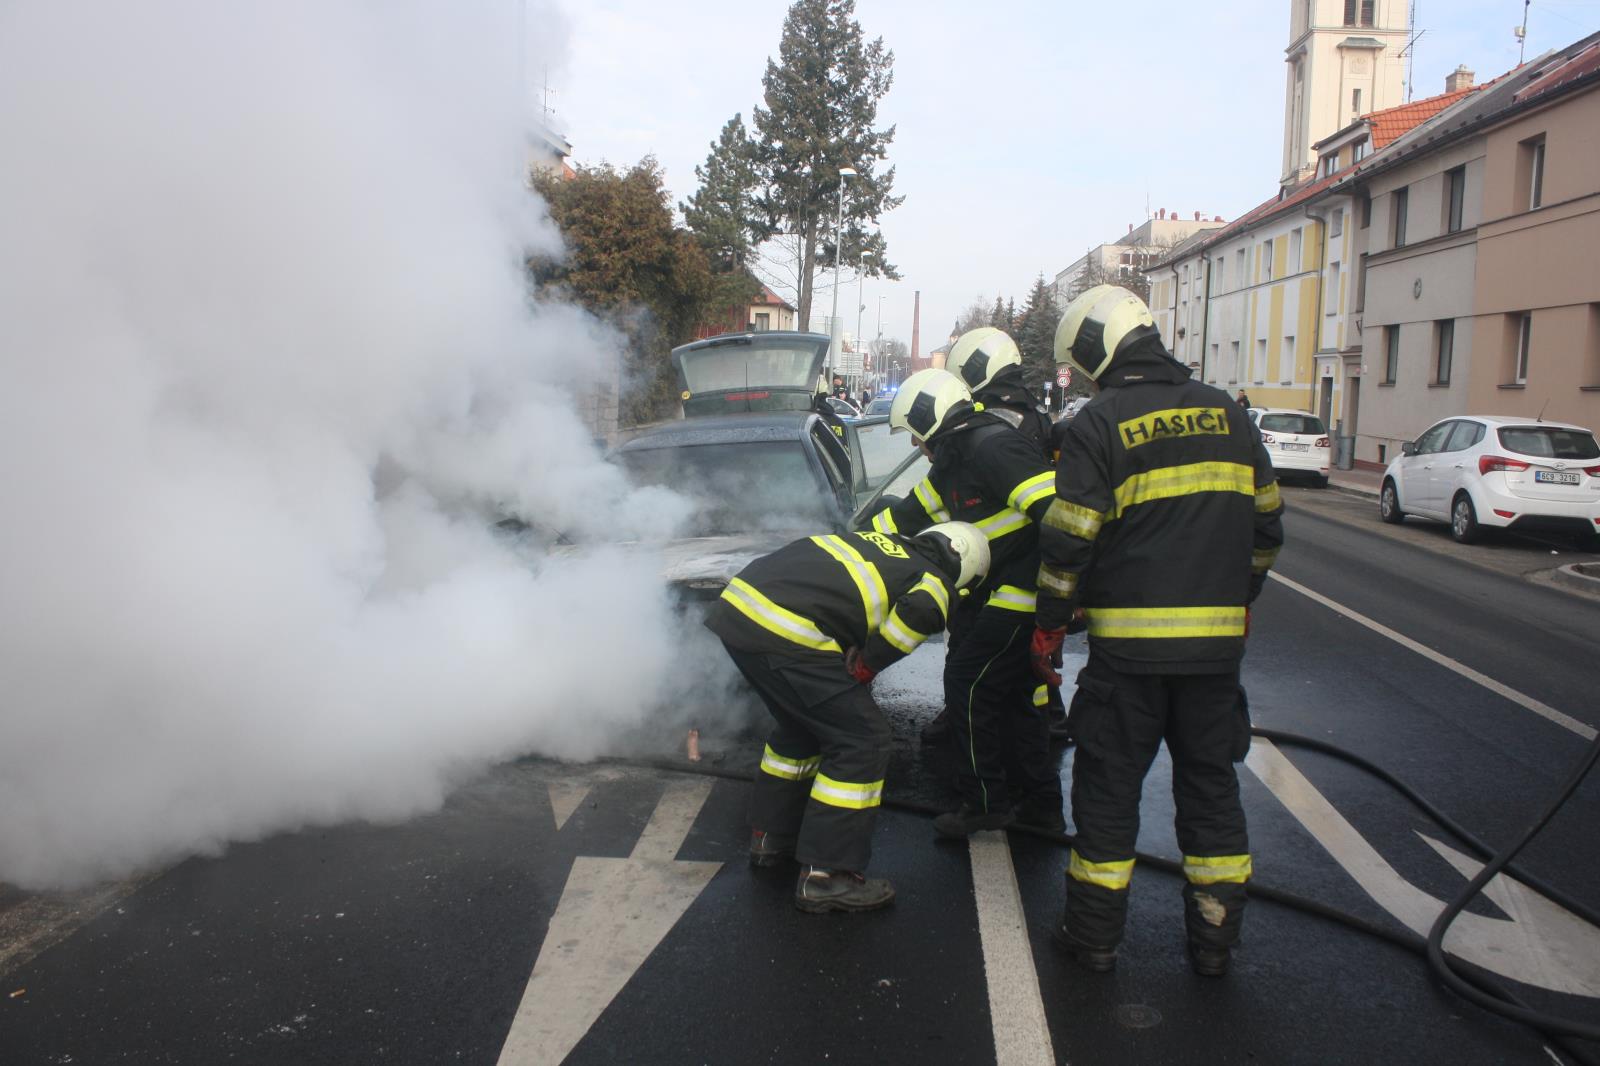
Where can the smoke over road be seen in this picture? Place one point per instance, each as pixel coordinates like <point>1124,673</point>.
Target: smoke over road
<point>252,253</point>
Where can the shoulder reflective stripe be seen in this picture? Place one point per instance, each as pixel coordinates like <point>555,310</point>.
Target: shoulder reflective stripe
<point>1168,481</point>
<point>1059,583</point>
<point>929,498</point>
<point>1215,869</point>
<point>1013,598</point>
<point>900,635</point>
<point>1261,559</point>
<point>874,597</point>
<point>789,769</point>
<point>1074,518</point>
<point>1267,497</point>
<point>1032,491</point>
<point>935,588</point>
<point>1041,696</point>
<point>769,616</point>
<point>1112,875</point>
<point>1161,622</point>
<point>1000,523</point>
<point>853,795</point>
<point>883,521</point>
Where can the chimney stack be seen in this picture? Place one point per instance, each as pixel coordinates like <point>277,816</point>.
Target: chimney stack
<point>1460,79</point>
<point>1130,227</point>
<point>1162,214</point>
<point>1197,216</point>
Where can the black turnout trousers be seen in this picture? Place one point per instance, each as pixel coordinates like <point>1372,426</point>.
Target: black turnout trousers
<point>1120,720</point>
<point>821,778</point>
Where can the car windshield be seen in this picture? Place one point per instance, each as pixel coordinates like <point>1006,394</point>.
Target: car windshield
<point>739,487</point>
<point>1550,442</point>
<point>1291,423</point>
<point>880,407</point>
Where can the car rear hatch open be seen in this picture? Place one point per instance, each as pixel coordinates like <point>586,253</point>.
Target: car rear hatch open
<point>1556,463</point>
<point>746,372</point>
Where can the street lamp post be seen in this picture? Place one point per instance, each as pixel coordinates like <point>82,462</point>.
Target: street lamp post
<point>860,283</point>
<point>882,358</point>
<point>838,240</point>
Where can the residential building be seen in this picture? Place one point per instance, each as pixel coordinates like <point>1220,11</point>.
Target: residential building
<point>767,311</point>
<point>1131,253</point>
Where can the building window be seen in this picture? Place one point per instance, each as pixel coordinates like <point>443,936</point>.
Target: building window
<point>1330,299</point>
<point>1361,283</point>
<point>1258,369</point>
<point>1444,332</point>
<point>1364,207</point>
<point>1355,103</point>
<point>1391,354</point>
<point>1358,12</point>
<point>1401,202</point>
<point>1236,367</point>
<point>1286,371</point>
<point>763,321</point>
<point>1296,249</point>
<point>1216,354</point>
<point>1359,152</point>
<point>1244,276</point>
<point>1591,378</point>
<point>1530,172</point>
<point>1336,226</point>
<point>1455,187</point>
<point>1524,327</point>
<point>1219,274</point>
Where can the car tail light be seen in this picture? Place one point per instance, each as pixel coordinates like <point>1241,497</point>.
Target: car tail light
<point>1488,464</point>
<point>1592,471</point>
<point>1505,514</point>
<point>1268,438</point>
<point>1322,442</point>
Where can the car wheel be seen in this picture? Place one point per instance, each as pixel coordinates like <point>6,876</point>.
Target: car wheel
<point>1389,504</point>
<point>1463,520</point>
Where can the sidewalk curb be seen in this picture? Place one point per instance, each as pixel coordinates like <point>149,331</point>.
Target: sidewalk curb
<point>1577,576</point>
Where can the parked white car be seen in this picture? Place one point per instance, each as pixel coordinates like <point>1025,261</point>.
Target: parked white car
<point>1477,471</point>
<point>1297,442</point>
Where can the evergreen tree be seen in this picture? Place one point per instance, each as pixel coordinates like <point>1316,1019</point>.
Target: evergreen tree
<point>1036,333</point>
<point>821,98</point>
<point>998,317</point>
<point>720,212</point>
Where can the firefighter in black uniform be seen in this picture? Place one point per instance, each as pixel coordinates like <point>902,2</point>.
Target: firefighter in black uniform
<point>990,363</point>
<point>986,473</point>
<point>809,626</point>
<point>1166,521</point>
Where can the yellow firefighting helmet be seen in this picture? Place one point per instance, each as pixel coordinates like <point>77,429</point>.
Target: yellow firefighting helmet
<point>980,354</point>
<point>1097,324</point>
<point>926,400</point>
<point>969,545</point>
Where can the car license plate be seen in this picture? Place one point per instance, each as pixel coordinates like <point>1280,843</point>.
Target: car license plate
<point>1290,446</point>
<point>1556,477</point>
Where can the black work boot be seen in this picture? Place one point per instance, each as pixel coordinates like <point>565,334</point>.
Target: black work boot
<point>769,849</point>
<point>1036,816</point>
<point>1209,961</point>
<point>967,820</point>
<point>1094,959</point>
<point>937,729</point>
<point>819,891</point>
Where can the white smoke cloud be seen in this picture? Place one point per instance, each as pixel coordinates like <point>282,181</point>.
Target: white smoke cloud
<point>253,252</point>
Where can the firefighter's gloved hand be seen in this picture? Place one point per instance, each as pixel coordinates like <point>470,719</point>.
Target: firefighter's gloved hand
<point>1077,625</point>
<point>857,666</point>
<point>1045,654</point>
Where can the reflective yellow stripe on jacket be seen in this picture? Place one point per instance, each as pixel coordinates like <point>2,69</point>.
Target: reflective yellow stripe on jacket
<point>1168,481</point>
<point>1215,869</point>
<point>1112,875</point>
<point>788,768</point>
<point>935,588</point>
<point>1075,519</point>
<point>1041,696</point>
<point>1165,621</point>
<point>1012,598</point>
<point>1000,523</point>
<point>1062,584</point>
<point>929,499</point>
<point>856,796</point>
<point>874,597</point>
<point>899,635</point>
<point>778,620</point>
<point>1261,560</point>
<point>883,522</point>
<point>1268,498</point>
<point>1031,491</point>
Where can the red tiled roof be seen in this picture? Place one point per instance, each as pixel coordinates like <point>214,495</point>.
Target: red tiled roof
<point>1392,123</point>
<point>1577,66</point>
<point>768,297</point>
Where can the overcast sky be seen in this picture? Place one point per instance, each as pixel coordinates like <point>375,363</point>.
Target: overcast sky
<point>1027,130</point>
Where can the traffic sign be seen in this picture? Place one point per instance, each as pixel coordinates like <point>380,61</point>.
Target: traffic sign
<point>1064,376</point>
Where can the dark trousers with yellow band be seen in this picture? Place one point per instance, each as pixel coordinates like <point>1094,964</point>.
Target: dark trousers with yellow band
<point>1001,738</point>
<point>821,774</point>
<point>1120,720</point>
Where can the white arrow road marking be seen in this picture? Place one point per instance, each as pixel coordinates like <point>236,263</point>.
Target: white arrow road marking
<point>612,915</point>
<point>565,797</point>
<point>1541,945</point>
<point>1016,1010</point>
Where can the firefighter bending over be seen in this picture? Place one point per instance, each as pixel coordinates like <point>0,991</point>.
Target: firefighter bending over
<point>1166,521</point>
<point>809,626</point>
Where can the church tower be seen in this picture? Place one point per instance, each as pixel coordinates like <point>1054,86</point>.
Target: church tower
<point>1344,61</point>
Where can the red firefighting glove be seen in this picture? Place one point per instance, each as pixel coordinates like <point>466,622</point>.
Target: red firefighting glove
<point>1045,654</point>
<point>857,666</point>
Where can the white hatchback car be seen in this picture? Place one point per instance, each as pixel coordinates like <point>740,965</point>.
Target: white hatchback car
<point>1475,471</point>
<point>1297,441</point>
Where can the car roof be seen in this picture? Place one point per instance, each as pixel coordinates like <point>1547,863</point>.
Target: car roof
<point>724,429</point>
<point>1512,420</point>
<point>1281,411</point>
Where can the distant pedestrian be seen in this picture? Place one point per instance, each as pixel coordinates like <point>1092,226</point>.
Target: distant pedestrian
<point>1244,399</point>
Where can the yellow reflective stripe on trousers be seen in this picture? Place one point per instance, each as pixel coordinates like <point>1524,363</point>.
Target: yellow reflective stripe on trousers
<point>1168,481</point>
<point>1000,523</point>
<point>1062,584</point>
<point>900,635</point>
<point>1112,875</point>
<point>874,597</point>
<point>1073,518</point>
<point>777,620</point>
<point>1041,696</point>
<point>1012,598</point>
<point>1032,491</point>
<point>883,521</point>
<point>935,588</point>
<point>1261,559</point>
<point>1216,869</point>
<point>1165,621</point>
<point>929,499</point>
<point>856,796</point>
<point>1268,497</point>
<point>788,768</point>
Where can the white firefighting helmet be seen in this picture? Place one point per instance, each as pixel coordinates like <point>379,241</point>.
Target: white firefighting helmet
<point>980,354</point>
<point>1097,324</point>
<point>969,545</point>
<point>926,400</point>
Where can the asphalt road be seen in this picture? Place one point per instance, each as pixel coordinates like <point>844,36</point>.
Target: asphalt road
<point>604,913</point>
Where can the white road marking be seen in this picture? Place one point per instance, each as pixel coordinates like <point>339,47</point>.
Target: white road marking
<point>43,921</point>
<point>613,913</point>
<point>1016,1009</point>
<point>565,797</point>
<point>1542,944</point>
<point>1544,710</point>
